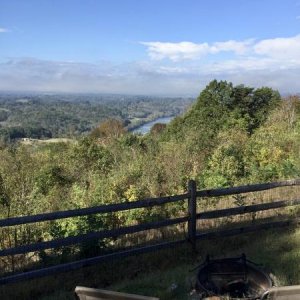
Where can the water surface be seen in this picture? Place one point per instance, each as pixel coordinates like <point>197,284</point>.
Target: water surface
<point>145,128</point>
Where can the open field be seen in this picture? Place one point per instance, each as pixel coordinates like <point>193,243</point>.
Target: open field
<point>28,141</point>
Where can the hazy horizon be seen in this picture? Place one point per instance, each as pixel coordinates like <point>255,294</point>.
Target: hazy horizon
<point>170,48</point>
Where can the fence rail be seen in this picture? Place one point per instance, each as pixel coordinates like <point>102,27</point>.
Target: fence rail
<point>90,236</point>
<point>247,188</point>
<point>150,202</point>
<point>246,209</point>
<point>191,219</point>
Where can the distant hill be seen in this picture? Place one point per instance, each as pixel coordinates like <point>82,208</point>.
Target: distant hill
<point>68,115</point>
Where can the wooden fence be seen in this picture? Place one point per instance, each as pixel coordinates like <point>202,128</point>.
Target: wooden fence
<point>191,219</point>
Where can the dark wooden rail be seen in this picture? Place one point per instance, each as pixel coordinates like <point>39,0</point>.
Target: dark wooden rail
<point>246,209</point>
<point>247,188</point>
<point>91,210</point>
<point>90,236</point>
<point>191,218</point>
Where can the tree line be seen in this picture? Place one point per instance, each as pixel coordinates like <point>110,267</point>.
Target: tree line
<point>57,116</point>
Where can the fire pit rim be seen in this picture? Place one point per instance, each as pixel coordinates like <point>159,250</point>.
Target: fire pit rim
<point>241,260</point>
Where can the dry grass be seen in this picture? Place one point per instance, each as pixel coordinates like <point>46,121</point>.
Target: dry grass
<point>277,194</point>
<point>154,274</point>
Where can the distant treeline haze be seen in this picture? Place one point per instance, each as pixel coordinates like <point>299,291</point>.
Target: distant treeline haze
<point>48,116</point>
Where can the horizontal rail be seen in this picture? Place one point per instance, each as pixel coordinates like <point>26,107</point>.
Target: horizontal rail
<point>246,188</point>
<point>150,202</point>
<point>94,260</point>
<point>141,227</point>
<point>89,236</point>
<point>246,209</point>
<point>88,262</point>
<point>247,229</point>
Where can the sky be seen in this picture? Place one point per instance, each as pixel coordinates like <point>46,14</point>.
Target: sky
<point>153,47</point>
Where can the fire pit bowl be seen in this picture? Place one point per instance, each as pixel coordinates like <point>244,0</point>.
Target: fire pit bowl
<point>233,278</point>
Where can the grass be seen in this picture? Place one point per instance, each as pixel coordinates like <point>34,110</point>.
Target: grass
<point>277,251</point>
<point>166,274</point>
<point>31,141</point>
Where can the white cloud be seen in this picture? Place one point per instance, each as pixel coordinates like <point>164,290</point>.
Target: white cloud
<point>231,45</point>
<point>269,54</point>
<point>175,51</point>
<point>298,18</point>
<point>2,30</point>
<point>30,74</point>
<point>284,49</point>
<point>189,50</point>
<point>173,69</point>
<point>238,65</point>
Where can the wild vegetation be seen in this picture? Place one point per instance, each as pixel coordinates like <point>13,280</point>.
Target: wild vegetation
<point>231,135</point>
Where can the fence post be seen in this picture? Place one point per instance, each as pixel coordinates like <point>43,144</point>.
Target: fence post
<point>192,189</point>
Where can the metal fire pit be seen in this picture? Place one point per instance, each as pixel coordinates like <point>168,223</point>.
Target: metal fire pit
<point>231,278</point>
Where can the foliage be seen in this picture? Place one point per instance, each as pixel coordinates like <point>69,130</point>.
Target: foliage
<point>110,128</point>
<point>4,198</point>
<point>158,128</point>
<point>226,165</point>
<point>231,135</point>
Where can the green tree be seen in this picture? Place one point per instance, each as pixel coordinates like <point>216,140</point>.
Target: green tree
<point>110,128</point>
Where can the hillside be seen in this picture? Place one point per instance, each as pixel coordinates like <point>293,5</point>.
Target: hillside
<point>240,134</point>
<point>231,135</point>
<point>72,115</point>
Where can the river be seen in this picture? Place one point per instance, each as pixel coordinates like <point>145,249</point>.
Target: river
<point>145,128</point>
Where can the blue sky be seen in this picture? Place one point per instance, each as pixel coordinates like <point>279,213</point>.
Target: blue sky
<point>148,47</point>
